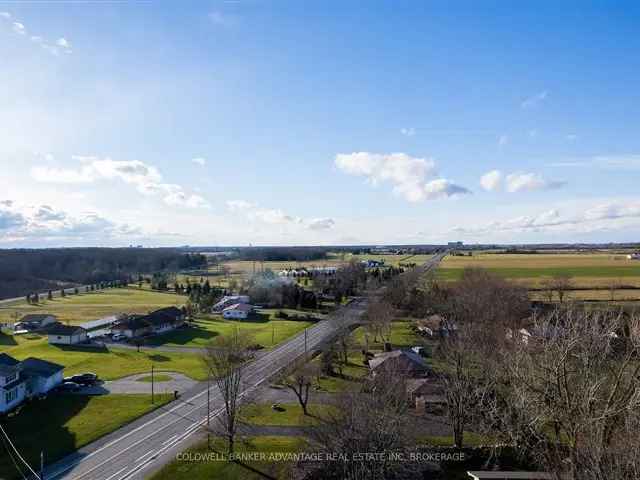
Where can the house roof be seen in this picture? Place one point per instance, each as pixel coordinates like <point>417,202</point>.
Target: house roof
<point>171,311</point>
<point>36,317</point>
<point>135,322</point>
<point>64,330</point>
<point>40,368</point>
<point>399,360</point>
<point>241,307</point>
<point>8,365</point>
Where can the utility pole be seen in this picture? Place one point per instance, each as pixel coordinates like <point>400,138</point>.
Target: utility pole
<point>273,333</point>
<point>305,342</point>
<point>41,464</point>
<point>152,383</point>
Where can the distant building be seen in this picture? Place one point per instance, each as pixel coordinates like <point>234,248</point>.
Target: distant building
<point>372,263</point>
<point>229,300</point>
<point>35,321</point>
<point>455,244</point>
<point>239,311</point>
<point>158,321</point>
<point>634,256</point>
<point>59,334</point>
<point>21,380</point>
<point>404,362</point>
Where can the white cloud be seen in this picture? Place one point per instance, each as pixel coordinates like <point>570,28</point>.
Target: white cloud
<point>533,133</point>
<point>527,182</point>
<point>200,161</point>
<point>42,222</point>
<point>408,132</point>
<point>19,28</point>
<point>63,42</point>
<point>407,174</point>
<point>5,15</point>
<point>597,217</point>
<point>534,100</point>
<point>275,216</point>
<point>503,140</point>
<point>491,181</point>
<point>223,19</point>
<point>571,137</point>
<point>607,162</point>
<point>145,178</point>
<point>321,223</point>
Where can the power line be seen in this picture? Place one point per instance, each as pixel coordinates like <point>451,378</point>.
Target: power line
<point>18,454</point>
<point>4,442</point>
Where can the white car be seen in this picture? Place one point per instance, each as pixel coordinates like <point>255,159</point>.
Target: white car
<point>118,337</point>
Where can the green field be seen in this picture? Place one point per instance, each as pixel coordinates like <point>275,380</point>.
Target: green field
<point>63,423</point>
<point>76,309</point>
<point>198,468</point>
<point>109,364</point>
<point>263,328</point>
<point>291,415</point>
<point>587,270</point>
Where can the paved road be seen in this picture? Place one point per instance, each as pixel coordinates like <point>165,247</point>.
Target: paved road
<point>154,439</point>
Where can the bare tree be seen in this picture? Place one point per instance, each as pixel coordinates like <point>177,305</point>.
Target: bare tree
<point>561,283</point>
<point>301,381</point>
<point>614,286</point>
<point>378,319</point>
<point>225,359</point>
<point>548,290</point>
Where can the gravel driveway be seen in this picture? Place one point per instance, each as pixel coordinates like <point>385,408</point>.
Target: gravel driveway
<point>130,384</point>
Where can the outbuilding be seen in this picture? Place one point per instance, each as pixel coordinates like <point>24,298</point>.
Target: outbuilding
<point>60,334</point>
<point>239,311</point>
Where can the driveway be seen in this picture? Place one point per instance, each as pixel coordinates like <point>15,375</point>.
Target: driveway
<point>132,384</point>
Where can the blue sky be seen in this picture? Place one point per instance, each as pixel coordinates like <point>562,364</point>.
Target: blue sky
<point>229,123</point>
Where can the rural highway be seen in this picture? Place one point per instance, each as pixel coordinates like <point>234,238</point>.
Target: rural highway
<point>133,451</point>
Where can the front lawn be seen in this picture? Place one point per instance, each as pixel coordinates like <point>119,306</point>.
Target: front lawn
<point>263,327</point>
<point>290,415</point>
<point>108,363</point>
<point>62,423</point>
<point>192,464</point>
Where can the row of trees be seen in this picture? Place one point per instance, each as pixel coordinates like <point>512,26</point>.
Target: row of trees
<point>34,298</point>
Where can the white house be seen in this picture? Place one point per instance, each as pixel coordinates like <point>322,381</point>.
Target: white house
<point>60,334</point>
<point>230,300</point>
<point>35,321</point>
<point>634,256</point>
<point>20,380</point>
<point>239,311</point>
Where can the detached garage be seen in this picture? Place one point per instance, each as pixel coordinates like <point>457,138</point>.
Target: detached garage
<point>66,335</point>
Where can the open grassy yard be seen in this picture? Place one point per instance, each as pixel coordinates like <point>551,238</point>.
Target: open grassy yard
<point>587,269</point>
<point>62,423</point>
<point>109,364</point>
<point>263,328</point>
<point>183,469</point>
<point>402,336</point>
<point>76,309</point>
<point>291,415</point>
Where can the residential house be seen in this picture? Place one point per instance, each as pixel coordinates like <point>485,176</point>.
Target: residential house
<point>522,336</point>
<point>229,300</point>
<point>405,362</point>
<point>35,321</point>
<point>634,256</point>
<point>239,311</point>
<point>59,334</point>
<point>425,393</point>
<point>158,321</point>
<point>29,378</point>
<point>13,389</point>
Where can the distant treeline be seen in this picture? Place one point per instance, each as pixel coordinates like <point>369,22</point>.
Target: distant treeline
<point>25,271</point>
<point>282,254</point>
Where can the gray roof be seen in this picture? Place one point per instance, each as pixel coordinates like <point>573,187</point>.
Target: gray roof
<point>41,368</point>
<point>405,360</point>
<point>36,317</point>
<point>8,365</point>
<point>64,330</point>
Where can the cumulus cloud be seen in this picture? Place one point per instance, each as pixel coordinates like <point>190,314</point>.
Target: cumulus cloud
<point>5,15</point>
<point>503,140</point>
<point>276,216</point>
<point>200,161</point>
<point>145,178</point>
<point>491,181</point>
<point>24,222</point>
<point>408,175</point>
<point>535,100</point>
<point>408,132</point>
<point>517,182</point>
<point>223,19</point>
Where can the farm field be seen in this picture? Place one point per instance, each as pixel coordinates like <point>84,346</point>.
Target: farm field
<point>76,309</point>
<point>68,422</point>
<point>263,328</point>
<point>109,364</point>
<point>587,270</point>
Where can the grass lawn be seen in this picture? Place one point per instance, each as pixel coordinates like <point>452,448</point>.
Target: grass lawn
<point>470,439</point>
<point>202,468</point>
<point>264,328</point>
<point>157,377</point>
<point>63,423</point>
<point>76,309</point>
<point>402,336</point>
<point>109,364</point>
<point>263,414</point>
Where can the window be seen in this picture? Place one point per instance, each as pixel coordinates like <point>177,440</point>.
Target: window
<point>10,378</point>
<point>10,396</point>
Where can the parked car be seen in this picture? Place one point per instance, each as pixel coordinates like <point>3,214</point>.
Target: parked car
<point>68,387</point>
<point>84,378</point>
<point>118,337</point>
